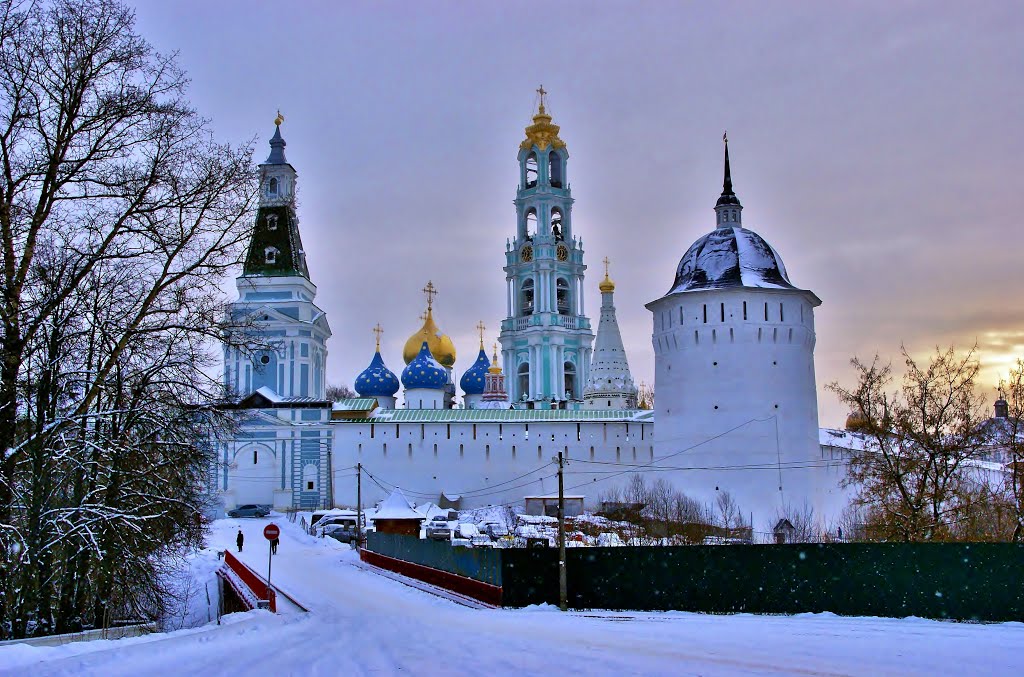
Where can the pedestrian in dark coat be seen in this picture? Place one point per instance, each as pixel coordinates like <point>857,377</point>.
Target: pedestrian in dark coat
<point>273,546</point>
<point>239,539</point>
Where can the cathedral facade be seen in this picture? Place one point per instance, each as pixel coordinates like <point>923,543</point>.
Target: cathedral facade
<point>733,340</point>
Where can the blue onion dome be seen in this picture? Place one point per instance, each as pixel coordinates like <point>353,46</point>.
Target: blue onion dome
<point>424,372</point>
<point>377,380</point>
<point>473,381</point>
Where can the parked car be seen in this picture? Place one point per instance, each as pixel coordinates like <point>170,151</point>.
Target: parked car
<point>468,531</point>
<point>249,510</point>
<point>438,529</point>
<point>495,530</point>
<point>342,529</point>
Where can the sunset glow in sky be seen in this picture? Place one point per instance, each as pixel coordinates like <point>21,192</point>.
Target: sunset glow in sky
<point>877,146</point>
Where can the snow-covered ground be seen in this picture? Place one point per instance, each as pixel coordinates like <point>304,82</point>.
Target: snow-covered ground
<point>363,624</point>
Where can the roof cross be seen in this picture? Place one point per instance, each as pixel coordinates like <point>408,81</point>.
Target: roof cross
<point>606,262</point>
<point>378,331</point>
<point>542,92</point>
<point>480,327</point>
<point>431,291</point>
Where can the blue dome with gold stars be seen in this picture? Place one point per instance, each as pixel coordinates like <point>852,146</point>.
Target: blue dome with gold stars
<point>377,380</point>
<point>473,381</point>
<point>424,372</point>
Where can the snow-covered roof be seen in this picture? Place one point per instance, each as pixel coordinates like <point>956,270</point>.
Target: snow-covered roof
<point>397,506</point>
<point>843,439</point>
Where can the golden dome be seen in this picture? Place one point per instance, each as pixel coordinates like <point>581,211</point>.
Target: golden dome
<point>542,133</point>
<point>441,347</point>
<point>857,422</point>
<point>495,367</point>
<point>606,284</point>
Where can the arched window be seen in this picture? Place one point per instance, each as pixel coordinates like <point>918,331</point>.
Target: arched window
<point>563,296</point>
<point>555,169</point>
<point>531,170</point>
<point>524,379</point>
<point>569,370</point>
<point>526,297</point>
<point>272,187</point>
<point>531,222</point>
<point>556,224</point>
<point>271,254</point>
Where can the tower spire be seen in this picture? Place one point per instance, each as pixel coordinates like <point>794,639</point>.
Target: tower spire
<point>728,207</point>
<point>277,144</point>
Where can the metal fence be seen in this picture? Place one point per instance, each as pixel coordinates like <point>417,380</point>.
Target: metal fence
<point>962,581</point>
<point>479,564</point>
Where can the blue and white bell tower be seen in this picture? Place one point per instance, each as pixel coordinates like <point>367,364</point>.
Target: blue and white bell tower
<point>275,314</point>
<point>546,340</point>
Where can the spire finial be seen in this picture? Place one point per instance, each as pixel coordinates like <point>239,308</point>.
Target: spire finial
<point>480,327</point>
<point>378,331</point>
<point>727,184</point>
<point>542,93</point>
<point>279,119</point>
<point>431,291</point>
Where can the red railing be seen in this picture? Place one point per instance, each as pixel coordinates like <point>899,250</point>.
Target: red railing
<point>256,584</point>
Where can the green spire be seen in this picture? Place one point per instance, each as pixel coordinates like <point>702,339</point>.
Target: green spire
<point>276,248</point>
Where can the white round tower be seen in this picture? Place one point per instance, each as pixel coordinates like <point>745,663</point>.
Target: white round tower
<point>736,403</point>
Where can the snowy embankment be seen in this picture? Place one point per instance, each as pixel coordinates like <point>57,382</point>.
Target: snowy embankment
<point>360,623</point>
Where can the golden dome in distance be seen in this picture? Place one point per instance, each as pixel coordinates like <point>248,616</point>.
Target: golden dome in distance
<point>606,284</point>
<point>440,345</point>
<point>495,366</point>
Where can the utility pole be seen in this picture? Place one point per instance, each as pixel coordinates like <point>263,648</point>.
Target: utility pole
<point>330,479</point>
<point>563,592</point>
<point>359,505</point>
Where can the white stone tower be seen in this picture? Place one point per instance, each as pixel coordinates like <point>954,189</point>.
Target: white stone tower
<point>610,385</point>
<point>734,373</point>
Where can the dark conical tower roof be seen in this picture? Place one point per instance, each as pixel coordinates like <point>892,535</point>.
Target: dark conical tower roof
<point>728,197</point>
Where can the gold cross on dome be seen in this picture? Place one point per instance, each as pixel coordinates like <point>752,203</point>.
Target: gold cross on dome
<point>378,331</point>
<point>431,291</point>
<point>480,327</point>
<point>542,92</point>
<point>606,262</point>
<point>279,119</point>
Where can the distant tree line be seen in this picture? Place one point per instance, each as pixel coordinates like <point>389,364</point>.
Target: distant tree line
<point>120,216</point>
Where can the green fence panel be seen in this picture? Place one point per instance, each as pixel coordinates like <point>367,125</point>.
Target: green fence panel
<point>480,564</point>
<point>975,581</point>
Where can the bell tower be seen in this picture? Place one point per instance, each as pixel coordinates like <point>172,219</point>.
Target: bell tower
<point>546,338</point>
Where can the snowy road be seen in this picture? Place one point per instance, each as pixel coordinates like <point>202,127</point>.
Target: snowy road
<point>362,624</point>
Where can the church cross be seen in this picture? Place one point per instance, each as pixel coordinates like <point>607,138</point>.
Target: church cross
<point>378,331</point>
<point>431,291</point>
<point>542,92</point>
<point>480,327</point>
<point>606,262</point>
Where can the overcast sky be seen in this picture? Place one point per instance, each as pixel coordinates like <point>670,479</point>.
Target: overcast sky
<point>877,146</point>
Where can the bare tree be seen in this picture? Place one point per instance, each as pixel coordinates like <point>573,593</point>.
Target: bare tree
<point>342,392</point>
<point>119,218</point>
<point>918,439</point>
<point>806,528</point>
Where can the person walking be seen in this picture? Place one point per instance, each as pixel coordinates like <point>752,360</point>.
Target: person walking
<point>239,539</point>
<point>273,546</point>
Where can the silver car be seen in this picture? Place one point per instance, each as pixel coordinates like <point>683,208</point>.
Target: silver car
<point>250,510</point>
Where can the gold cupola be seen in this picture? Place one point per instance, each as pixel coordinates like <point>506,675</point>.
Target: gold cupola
<point>495,367</point>
<point>440,345</point>
<point>606,284</point>
<point>542,133</point>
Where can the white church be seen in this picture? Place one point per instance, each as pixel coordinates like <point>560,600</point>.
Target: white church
<point>733,339</point>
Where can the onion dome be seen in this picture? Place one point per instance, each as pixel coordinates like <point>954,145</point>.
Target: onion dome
<point>495,367</point>
<point>441,347</point>
<point>606,286</point>
<point>542,133</point>
<point>424,371</point>
<point>474,380</point>
<point>377,380</point>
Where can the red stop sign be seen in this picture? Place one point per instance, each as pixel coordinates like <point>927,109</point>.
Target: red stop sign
<point>271,531</point>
